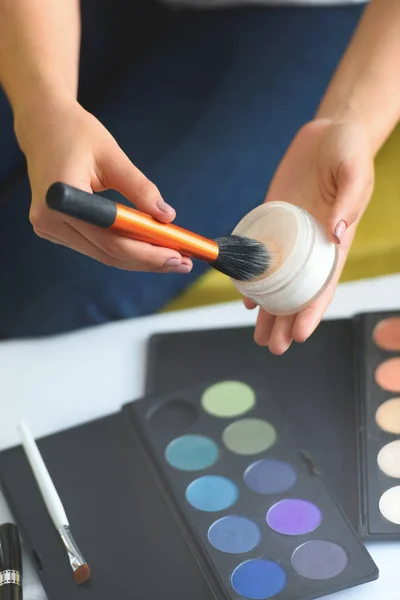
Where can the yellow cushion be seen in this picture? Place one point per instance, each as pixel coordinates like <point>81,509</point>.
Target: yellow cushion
<point>375,250</point>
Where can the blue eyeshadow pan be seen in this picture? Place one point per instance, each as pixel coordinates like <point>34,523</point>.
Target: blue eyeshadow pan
<point>258,579</point>
<point>234,535</point>
<point>212,493</point>
<point>270,476</point>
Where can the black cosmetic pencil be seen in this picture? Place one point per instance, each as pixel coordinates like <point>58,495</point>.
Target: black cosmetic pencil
<point>10,563</point>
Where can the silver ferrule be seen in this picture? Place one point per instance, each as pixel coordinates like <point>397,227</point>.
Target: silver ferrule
<point>10,577</point>
<point>74,554</point>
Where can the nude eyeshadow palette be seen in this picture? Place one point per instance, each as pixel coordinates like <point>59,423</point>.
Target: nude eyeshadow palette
<point>377,358</point>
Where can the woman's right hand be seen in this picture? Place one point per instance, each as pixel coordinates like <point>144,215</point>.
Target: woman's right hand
<point>63,142</point>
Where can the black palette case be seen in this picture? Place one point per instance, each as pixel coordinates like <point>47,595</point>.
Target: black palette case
<point>120,518</point>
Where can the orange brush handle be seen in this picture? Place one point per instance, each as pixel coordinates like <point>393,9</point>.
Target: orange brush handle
<point>139,226</point>
<point>128,222</point>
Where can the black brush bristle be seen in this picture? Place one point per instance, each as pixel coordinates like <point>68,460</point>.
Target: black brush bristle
<point>241,258</point>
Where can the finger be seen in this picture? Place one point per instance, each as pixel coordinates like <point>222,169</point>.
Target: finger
<point>307,321</point>
<point>264,325</point>
<point>80,244</point>
<point>141,256</point>
<point>249,304</point>
<point>281,334</point>
<point>51,238</point>
<point>355,186</point>
<point>119,173</point>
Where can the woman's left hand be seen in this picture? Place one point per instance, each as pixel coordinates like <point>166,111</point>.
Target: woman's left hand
<point>329,171</point>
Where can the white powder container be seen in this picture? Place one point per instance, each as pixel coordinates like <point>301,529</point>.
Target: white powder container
<point>304,259</point>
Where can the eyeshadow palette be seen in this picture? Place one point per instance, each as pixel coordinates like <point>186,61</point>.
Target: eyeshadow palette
<point>261,520</point>
<point>378,367</point>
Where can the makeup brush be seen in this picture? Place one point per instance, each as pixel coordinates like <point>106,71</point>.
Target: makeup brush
<point>240,258</point>
<point>80,568</point>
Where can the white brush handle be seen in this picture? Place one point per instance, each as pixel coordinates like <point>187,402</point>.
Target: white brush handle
<point>43,479</point>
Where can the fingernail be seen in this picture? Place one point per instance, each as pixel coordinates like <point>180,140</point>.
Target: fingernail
<point>164,206</point>
<point>173,262</point>
<point>181,269</point>
<point>339,231</point>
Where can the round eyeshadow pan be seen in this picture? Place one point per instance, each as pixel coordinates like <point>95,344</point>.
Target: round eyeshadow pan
<point>319,560</point>
<point>389,504</point>
<point>191,453</point>
<point>387,375</point>
<point>173,417</point>
<point>258,579</point>
<point>294,517</point>
<point>270,476</point>
<point>388,416</point>
<point>387,334</point>
<point>228,399</point>
<point>249,436</point>
<point>212,493</point>
<point>234,535</point>
<point>389,459</point>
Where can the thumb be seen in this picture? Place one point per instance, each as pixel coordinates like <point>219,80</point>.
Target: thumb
<point>119,173</point>
<point>354,189</point>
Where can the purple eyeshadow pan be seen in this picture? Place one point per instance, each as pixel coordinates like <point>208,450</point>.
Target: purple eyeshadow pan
<point>319,559</point>
<point>294,517</point>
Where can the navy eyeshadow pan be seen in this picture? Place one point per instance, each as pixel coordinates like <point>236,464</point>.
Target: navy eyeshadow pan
<point>254,506</point>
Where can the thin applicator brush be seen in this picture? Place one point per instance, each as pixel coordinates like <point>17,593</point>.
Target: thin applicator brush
<point>240,258</point>
<point>80,568</point>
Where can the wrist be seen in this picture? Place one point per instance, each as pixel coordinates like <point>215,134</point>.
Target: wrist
<point>377,122</point>
<point>347,113</point>
<point>340,112</point>
<point>34,114</point>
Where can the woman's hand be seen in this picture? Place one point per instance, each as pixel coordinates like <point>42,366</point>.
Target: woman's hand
<point>329,171</point>
<point>63,142</point>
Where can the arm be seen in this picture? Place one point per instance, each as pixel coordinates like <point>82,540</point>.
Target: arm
<point>39,52</point>
<point>39,66</point>
<point>366,86</point>
<point>329,167</point>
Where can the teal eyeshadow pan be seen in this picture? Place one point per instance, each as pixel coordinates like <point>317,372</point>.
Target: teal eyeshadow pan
<point>191,453</point>
<point>252,503</point>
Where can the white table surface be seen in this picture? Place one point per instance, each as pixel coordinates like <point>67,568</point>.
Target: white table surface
<point>63,381</point>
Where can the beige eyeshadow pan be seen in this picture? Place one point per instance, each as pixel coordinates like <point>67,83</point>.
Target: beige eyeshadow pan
<point>389,459</point>
<point>387,375</point>
<point>389,505</point>
<point>388,416</point>
<point>386,334</point>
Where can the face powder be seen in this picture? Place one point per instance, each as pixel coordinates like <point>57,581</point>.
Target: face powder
<point>304,260</point>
